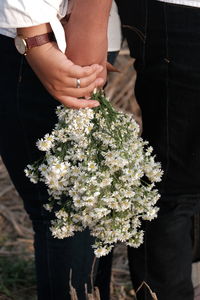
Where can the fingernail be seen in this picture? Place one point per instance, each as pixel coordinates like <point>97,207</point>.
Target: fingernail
<point>96,104</point>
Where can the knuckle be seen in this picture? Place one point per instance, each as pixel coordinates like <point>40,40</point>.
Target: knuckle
<point>87,72</point>
<point>54,89</point>
<point>92,87</point>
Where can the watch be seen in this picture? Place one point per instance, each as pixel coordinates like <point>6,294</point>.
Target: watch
<point>23,44</point>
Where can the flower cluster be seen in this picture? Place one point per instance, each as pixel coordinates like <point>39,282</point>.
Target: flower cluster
<point>100,174</point>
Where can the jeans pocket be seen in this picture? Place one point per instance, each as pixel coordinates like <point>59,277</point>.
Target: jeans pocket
<point>134,17</point>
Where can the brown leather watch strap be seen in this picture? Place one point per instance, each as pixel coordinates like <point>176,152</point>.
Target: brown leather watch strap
<point>39,40</point>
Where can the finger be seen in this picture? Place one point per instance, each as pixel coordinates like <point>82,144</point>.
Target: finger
<point>75,103</point>
<point>84,82</point>
<point>111,68</point>
<point>82,92</point>
<point>80,72</point>
<point>99,82</point>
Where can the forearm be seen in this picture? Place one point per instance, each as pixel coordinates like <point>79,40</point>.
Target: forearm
<point>94,14</point>
<point>58,74</point>
<point>86,31</point>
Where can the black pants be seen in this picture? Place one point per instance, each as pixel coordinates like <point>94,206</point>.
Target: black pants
<point>27,112</point>
<point>165,40</point>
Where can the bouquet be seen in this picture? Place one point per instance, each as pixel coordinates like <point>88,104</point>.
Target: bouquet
<point>100,174</point>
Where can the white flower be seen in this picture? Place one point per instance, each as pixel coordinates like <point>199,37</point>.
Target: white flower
<point>151,214</point>
<point>137,240</point>
<point>46,143</point>
<point>100,212</point>
<point>31,173</point>
<point>94,168</point>
<point>63,232</point>
<point>48,207</point>
<point>61,214</point>
<point>101,251</point>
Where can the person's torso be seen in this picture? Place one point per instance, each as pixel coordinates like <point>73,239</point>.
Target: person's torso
<point>114,28</point>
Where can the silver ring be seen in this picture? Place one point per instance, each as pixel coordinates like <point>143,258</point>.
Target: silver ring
<point>78,83</point>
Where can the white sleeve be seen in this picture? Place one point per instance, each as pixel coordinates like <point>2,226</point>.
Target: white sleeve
<point>26,13</point>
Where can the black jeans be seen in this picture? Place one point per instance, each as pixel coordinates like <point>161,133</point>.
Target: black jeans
<point>27,112</point>
<point>165,40</point>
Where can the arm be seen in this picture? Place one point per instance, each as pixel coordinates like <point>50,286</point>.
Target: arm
<point>58,74</point>
<point>86,32</point>
<point>23,13</point>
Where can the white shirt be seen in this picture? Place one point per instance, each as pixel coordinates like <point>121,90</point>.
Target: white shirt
<point>114,29</point>
<point>26,13</point>
<point>195,3</point>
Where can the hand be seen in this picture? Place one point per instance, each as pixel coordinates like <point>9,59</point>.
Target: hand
<point>59,76</point>
<point>85,51</point>
<point>86,33</point>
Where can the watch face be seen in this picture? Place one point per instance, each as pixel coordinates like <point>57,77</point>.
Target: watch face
<point>20,44</point>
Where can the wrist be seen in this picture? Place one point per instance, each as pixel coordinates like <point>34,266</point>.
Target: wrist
<point>33,37</point>
<point>40,52</point>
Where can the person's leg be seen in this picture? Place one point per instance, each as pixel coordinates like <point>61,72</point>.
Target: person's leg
<point>164,39</point>
<point>164,260</point>
<point>27,112</point>
<point>54,260</point>
<point>103,276</point>
<point>112,55</point>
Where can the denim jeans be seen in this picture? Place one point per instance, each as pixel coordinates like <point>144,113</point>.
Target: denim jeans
<point>27,112</point>
<point>165,40</point>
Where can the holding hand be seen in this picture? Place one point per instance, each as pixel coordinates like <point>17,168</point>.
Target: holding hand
<point>64,80</point>
<point>86,33</point>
